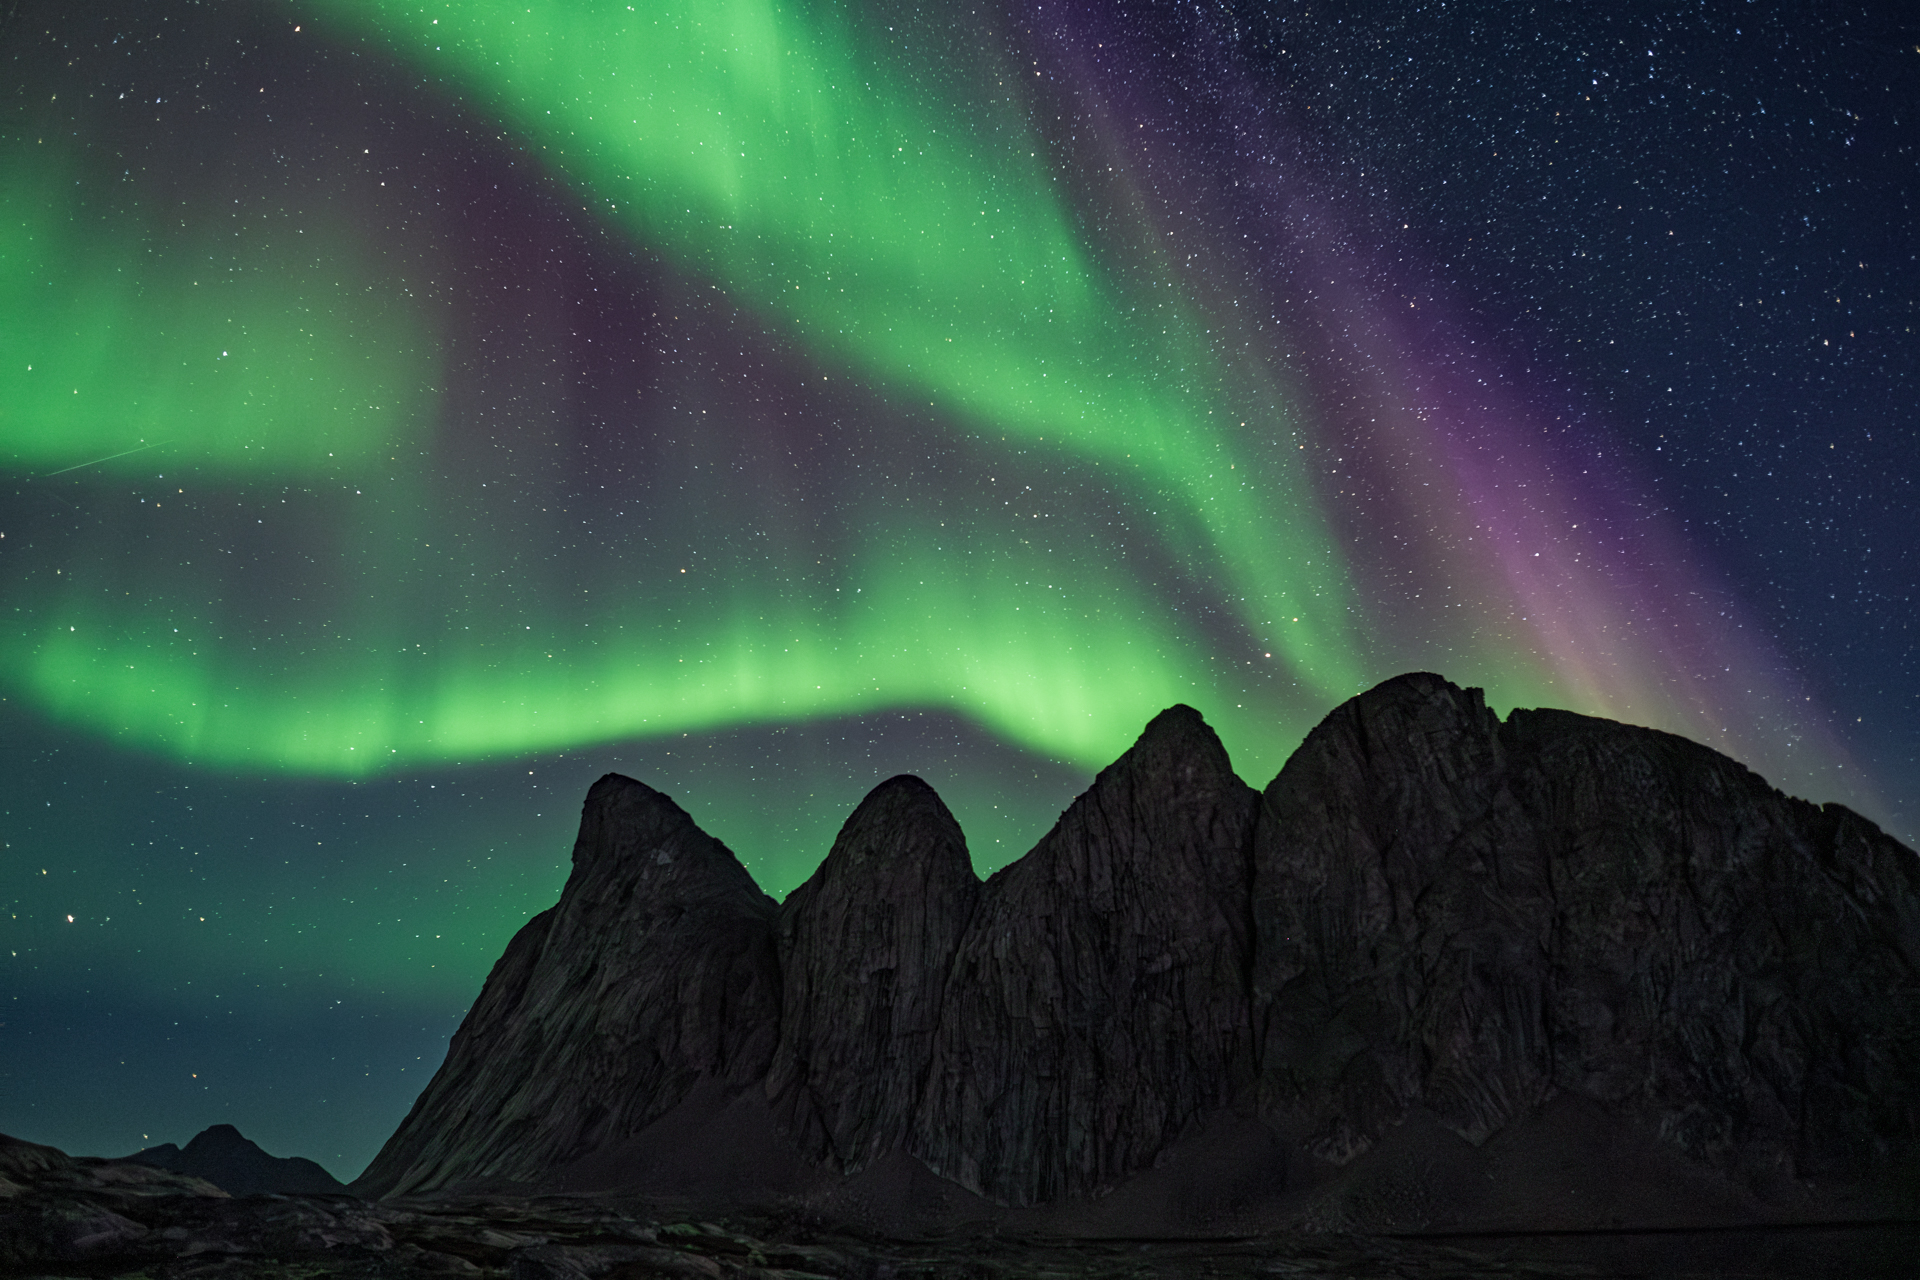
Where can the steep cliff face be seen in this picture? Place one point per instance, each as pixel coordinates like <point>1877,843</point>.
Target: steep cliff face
<point>1098,1002</point>
<point>1471,917</point>
<point>1390,864</point>
<point>1437,954</point>
<point>1738,968</point>
<point>865,946</point>
<point>655,971</point>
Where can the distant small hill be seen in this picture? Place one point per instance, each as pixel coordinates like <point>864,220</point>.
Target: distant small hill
<point>225,1157</point>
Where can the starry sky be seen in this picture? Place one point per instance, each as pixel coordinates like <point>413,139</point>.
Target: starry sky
<point>410,412</point>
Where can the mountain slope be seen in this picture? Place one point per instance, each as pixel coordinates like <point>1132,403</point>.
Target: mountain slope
<point>1472,917</point>
<point>1445,969</point>
<point>655,971</point>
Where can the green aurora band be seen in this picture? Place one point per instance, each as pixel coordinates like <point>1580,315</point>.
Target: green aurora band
<point>273,359</point>
<point>766,152</point>
<point>769,155</point>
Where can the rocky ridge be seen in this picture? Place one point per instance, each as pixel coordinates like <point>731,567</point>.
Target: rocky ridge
<point>1475,917</point>
<point>1438,944</point>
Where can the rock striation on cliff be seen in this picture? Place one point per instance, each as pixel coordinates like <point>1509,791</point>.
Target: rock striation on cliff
<point>1097,1004</point>
<point>865,948</point>
<point>1473,917</point>
<point>654,973</point>
<point>1439,953</point>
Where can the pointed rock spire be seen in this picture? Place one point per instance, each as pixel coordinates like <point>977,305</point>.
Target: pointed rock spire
<point>1395,791</point>
<point>865,946</point>
<point>655,971</point>
<point>1098,1001</point>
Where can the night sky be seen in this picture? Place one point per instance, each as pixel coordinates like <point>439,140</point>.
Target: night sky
<point>410,412</point>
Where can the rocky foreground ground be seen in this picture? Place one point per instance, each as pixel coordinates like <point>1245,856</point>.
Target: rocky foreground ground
<point>61,1216</point>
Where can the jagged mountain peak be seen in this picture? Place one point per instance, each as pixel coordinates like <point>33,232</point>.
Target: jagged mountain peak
<point>632,835</point>
<point>656,971</point>
<point>1178,747</point>
<point>865,946</point>
<point>902,820</point>
<point>1125,925</point>
<point>1434,937</point>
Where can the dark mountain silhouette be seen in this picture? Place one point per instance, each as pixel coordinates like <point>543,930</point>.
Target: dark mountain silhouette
<point>1097,1003</point>
<point>654,976</point>
<point>1445,971</point>
<point>866,946</point>
<point>226,1158</point>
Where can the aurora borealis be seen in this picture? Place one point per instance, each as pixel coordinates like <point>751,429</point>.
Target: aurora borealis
<point>410,412</point>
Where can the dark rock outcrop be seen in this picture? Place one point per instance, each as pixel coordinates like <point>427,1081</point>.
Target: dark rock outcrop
<point>654,972</point>
<point>1472,918</point>
<point>865,946</point>
<point>1098,1002</point>
<point>224,1156</point>
<point>1438,953</point>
